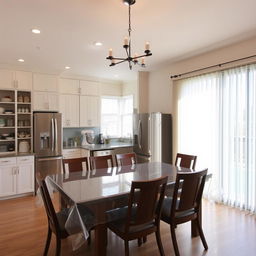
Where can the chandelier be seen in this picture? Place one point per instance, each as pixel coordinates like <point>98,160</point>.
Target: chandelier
<point>128,48</point>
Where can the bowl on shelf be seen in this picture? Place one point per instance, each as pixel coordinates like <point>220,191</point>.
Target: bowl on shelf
<point>6,99</point>
<point>8,112</point>
<point>1,110</point>
<point>9,138</point>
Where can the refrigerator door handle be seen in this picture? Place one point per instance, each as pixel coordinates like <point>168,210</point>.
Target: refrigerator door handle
<point>149,136</point>
<point>56,134</point>
<point>49,159</point>
<point>53,134</point>
<point>139,133</point>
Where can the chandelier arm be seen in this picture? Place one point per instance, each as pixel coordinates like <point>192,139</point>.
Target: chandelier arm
<point>127,52</point>
<point>121,61</point>
<point>114,58</point>
<point>145,55</point>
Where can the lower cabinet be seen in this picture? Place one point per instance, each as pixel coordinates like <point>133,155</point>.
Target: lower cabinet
<point>16,175</point>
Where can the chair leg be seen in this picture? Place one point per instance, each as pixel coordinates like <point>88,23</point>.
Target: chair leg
<point>89,238</point>
<point>48,241</point>
<point>159,242</point>
<point>144,239</point>
<point>174,240</point>
<point>58,246</point>
<point>201,233</point>
<point>139,242</point>
<point>126,246</point>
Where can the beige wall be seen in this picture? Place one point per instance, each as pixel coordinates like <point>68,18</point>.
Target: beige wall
<point>160,84</point>
<point>143,92</point>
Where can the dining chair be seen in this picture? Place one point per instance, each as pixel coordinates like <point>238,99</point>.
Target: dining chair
<point>56,221</point>
<point>100,162</point>
<point>142,216</point>
<point>185,204</point>
<point>125,159</point>
<point>75,164</point>
<point>186,161</point>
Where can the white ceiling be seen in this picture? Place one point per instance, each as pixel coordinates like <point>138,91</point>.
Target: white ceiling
<point>174,28</point>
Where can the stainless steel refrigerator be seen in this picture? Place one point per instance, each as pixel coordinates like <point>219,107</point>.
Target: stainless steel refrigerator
<point>47,142</point>
<point>152,134</point>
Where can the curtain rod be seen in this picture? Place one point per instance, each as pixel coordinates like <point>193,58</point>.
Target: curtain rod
<point>213,66</point>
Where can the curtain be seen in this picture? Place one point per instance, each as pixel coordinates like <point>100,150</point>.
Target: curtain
<point>216,120</point>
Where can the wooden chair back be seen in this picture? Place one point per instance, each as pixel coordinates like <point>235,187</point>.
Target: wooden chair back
<point>125,159</point>
<point>100,162</point>
<point>186,161</point>
<point>146,210</point>
<point>75,164</point>
<point>49,208</point>
<point>188,191</point>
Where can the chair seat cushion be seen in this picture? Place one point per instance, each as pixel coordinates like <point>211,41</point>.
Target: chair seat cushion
<point>117,221</point>
<point>166,210</point>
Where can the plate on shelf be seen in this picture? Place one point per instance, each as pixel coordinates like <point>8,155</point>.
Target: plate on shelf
<point>8,112</point>
<point>6,99</point>
<point>9,138</point>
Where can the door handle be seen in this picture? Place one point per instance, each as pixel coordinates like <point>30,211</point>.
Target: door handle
<point>56,134</point>
<point>49,159</point>
<point>53,137</point>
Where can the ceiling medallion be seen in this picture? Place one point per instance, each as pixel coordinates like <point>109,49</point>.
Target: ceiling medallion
<point>127,46</point>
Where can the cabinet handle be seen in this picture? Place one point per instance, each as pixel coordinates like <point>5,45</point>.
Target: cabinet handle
<point>5,161</point>
<point>18,170</point>
<point>13,170</point>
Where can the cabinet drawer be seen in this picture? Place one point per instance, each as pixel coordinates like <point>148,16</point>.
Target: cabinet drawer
<point>7,161</point>
<point>25,159</point>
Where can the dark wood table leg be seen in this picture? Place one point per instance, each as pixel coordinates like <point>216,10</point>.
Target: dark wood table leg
<point>194,230</point>
<point>100,240</point>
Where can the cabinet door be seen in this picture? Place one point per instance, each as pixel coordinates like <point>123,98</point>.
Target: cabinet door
<point>24,80</point>
<point>89,88</point>
<point>53,101</point>
<point>43,82</point>
<point>7,180</point>
<point>69,107</point>
<point>40,101</point>
<point>93,111</point>
<point>69,86</point>
<point>25,178</point>
<point>6,79</point>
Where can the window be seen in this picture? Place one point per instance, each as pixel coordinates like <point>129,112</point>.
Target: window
<point>116,116</point>
<point>217,122</point>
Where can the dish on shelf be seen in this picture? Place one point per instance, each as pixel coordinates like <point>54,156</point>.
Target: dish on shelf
<point>6,99</point>
<point>1,110</point>
<point>8,112</point>
<point>9,138</point>
<point>5,134</point>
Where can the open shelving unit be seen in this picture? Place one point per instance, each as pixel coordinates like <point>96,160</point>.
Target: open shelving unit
<point>15,120</point>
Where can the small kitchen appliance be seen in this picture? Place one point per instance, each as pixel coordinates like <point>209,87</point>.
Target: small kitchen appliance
<point>88,137</point>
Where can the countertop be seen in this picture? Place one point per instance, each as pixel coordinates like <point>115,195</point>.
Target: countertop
<point>97,147</point>
<point>16,154</point>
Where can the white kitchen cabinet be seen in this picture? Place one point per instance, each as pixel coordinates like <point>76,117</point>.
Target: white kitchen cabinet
<point>69,107</point>
<point>89,88</point>
<point>71,153</point>
<point>45,83</point>
<point>7,180</point>
<point>16,175</point>
<point>85,152</point>
<point>23,80</point>
<point>69,86</point>
<point>45,101</point>
<point>10,79</point>
<point>25,174</point>
<point>89,111</point>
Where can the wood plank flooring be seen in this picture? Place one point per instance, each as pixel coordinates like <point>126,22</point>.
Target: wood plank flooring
<point>23,227</point>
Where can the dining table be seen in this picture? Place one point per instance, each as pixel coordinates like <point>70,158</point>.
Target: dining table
<point>101,190</point>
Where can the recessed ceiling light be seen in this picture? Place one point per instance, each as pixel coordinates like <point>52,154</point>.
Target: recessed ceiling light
<point>116,75</point>
<point>98,43</point>
<point>36,31</point>
<point>67,67</point>
<point>21,60</point>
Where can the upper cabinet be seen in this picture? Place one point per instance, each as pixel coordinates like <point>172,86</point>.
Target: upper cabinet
<point>109,89</point>
<point>15,80</point>
<point>45,83</point>
<point>46,101</point>
<point>69,86</point>
<point>89,88</point>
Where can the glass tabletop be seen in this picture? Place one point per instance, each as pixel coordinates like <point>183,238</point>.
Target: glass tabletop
<point>88,186</point>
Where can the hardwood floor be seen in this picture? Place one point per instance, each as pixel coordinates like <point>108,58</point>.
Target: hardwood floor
<point>228,231</point>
